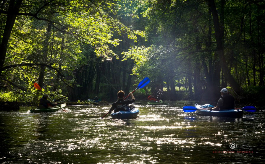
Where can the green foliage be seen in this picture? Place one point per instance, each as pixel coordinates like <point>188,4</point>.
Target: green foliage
<point>253,96</point>
<point>143,91</point>
<point>168,41</point>
<point>182,34</point>
<point>8,96</point>
<point>73,24</point>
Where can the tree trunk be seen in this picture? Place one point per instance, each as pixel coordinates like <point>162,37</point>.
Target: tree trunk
<point>98,78</point>
<point>129,79</point>
<point>260,25</point>
<point>190,86</point>
<point>60,66</point>
<point>44,55</point>
<point>124,69</point>
<point>172,87</point>
<point>219,35</point>
<point>12,12</point>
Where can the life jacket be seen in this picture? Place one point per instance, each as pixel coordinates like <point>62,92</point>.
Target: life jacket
<point>120,105</point>
<point>228,102</point>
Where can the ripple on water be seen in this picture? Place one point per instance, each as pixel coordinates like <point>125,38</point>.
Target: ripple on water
<point>159,134</point>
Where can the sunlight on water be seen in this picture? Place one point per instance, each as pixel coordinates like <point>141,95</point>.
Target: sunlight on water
<point>160,134</point>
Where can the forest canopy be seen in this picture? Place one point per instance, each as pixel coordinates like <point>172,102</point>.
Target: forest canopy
<point>76,50</point>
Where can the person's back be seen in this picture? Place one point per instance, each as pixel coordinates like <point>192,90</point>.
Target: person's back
<point>44,102</point>
<point>120,104</point>
<point>228,102</point>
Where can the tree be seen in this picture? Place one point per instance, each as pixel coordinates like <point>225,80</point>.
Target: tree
<point>11,14</point>
<point>51,33</point>
<point>219,36</point>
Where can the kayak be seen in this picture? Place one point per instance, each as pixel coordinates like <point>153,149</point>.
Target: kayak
<point>160,102</point>
<point>205,110</point>
<point>52,109</point>
<point>127,114</point>
<point>221,113</point>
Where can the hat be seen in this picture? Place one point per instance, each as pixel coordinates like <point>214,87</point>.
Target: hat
<point>224,90</point>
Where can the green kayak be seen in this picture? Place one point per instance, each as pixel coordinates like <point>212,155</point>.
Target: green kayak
<point>52,109</point>
<point>160,102</point>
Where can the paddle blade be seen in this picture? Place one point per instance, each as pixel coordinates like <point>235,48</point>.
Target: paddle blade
<point>36,85</point>
<point>189,109</point>
<point>249,108</point>
<point>144,82</point>
<point>63,105</point>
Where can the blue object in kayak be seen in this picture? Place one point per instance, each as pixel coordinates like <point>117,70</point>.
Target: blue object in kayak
<point>189,109</point>
<point>127,114</point>
<point>206,110</point>
<point>207,106</point>
<point>249,108</point>
<point>236,113</point>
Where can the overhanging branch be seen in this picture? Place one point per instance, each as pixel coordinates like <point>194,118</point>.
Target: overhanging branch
<point>36,64</point>
<point>32,65</point>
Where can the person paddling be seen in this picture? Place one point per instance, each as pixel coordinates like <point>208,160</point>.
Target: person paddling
<point>120,104</point>
<point>226,101</point>
<point>44,102</point>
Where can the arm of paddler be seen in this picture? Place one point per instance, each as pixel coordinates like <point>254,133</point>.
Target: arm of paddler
<point>219,104</point>
<point>132,96</point>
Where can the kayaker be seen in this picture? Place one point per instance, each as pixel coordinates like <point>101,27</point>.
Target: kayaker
<point>226,101</point>
<point>121,103</point>
<point>96,99</point>
<point>159,94</point>
<point>44,102</point>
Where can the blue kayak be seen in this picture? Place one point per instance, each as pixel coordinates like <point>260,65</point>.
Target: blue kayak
<point>204,110</point>
<point>126,114</point>
<point>220,113</point>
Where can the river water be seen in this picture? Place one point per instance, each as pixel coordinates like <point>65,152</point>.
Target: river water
<point>160,134</point>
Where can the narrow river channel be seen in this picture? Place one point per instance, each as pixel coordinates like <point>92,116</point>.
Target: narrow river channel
<point>160,134</point>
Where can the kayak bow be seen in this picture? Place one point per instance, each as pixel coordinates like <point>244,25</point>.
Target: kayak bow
<point>53,109</point>
<point>127,114</point>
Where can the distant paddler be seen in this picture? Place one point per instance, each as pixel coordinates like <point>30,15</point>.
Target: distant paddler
<point>45,103</point>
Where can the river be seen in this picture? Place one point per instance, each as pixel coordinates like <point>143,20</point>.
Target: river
<point>160,134</point>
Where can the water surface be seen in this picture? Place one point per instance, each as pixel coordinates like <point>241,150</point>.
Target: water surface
<point>161,134</point>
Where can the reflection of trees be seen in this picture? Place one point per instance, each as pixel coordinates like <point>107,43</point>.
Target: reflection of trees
<point>162,135</point>
<point>42,124</point>
<point>15,131</point>
<point>5,137</point>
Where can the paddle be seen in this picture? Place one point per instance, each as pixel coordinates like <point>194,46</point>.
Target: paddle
<point>249,108</point>
<point>36,85</point>
<point>193,109</point>
<point>142,84</point>
<point>189,109</point>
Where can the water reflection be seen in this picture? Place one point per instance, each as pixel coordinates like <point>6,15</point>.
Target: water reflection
<point>160,134</point>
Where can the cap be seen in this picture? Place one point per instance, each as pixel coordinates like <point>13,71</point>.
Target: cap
<point>224,90</point>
